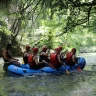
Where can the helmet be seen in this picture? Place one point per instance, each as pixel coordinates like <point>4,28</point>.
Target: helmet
<point>9,45</point>
<point>73,50</point>
<point>34,50</point>
<point>27,47</point>
<point>60,47</point>
<point>44,48</point>
<point>57,49</point>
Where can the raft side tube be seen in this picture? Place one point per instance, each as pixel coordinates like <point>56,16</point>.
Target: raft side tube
<point>48,70</point>
<point>21,71</point>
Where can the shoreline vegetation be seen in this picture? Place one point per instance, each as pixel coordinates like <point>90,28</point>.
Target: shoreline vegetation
<point>83,50</point>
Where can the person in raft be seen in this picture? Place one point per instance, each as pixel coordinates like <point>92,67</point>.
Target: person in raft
<point>8,58</point>
<point>33,60</point>
<point>55,61</point>
<point>62,54</point>
<point>71,58</point>
<point>44,54</point>
<point>26,54</point>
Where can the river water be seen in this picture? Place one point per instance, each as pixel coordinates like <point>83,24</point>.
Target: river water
<point>76,84</point>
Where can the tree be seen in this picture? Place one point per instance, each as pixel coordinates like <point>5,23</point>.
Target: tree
<point>77,12</point>
<point>62,16</point>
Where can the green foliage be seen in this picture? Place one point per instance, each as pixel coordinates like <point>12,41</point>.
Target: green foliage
<point>69,23</point>
<point>3,39</point>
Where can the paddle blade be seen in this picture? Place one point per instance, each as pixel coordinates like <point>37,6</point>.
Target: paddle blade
<point>79,69</point>
<point>67,71</point>
<point>22,62</point>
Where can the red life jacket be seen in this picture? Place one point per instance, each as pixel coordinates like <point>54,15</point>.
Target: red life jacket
<point>69,59</point>
<point>53,60</point>
<point>30,60</point>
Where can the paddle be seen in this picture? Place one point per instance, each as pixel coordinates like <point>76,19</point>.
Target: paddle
<point>67,71</point>
<point>66,68</point>
<point>54,68</point>
<point>49,64</point>
<point>78,68</point>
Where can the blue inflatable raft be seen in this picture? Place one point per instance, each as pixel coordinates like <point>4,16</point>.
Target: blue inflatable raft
<point>24,69</point>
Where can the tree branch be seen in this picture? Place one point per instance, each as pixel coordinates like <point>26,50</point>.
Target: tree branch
<point>89,13</point>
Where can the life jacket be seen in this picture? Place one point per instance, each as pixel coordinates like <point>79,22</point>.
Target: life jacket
<point>68,59</point>
<point>30,60</point>
<point>53,60</point>
<point>25,58</point>
<point>8,54</point>
<point>61,57</point>
<point>42,57</point>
